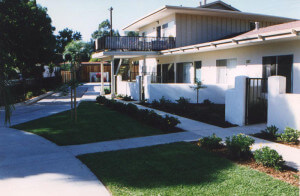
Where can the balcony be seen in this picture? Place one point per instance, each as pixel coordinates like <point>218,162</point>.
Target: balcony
<point>126,43</point>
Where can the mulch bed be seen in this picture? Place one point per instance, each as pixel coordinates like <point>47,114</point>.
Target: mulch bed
<point>259,135</point>
<point>288,174</point>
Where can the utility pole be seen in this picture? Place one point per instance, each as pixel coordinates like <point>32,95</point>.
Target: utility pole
<point>111,9</point>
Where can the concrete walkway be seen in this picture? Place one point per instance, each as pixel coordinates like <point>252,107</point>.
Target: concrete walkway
<point>131,143</point>
<point>32,165</point>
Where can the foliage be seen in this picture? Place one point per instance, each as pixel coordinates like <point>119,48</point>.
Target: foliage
<point>6,98</point>
<point>107,91</point>
<point>26,39</point>
<point>183,101</point>
<point>270,132</point>
<point>210,142</point>
<point>77,51</point>
<point>166,123</point>
<point>29,95</point>
<point>290,135</point>
<point>269,157</point>
<point>132,33</point>
<point>104,30</point>
<point>239,145</point>
<point>63,38</point>
<point>207,102</point>
<point>127,98</point>
<point>197,87</point>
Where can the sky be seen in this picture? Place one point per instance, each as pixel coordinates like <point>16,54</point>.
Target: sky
<point>85,15</point>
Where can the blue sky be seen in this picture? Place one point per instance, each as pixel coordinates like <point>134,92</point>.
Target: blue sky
<point>85,15</point>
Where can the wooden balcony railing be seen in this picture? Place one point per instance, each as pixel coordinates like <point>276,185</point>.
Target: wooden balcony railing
<point>134,43</point>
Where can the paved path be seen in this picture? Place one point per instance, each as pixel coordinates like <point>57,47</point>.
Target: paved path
<point>32,165</point>
<point>131,143</point>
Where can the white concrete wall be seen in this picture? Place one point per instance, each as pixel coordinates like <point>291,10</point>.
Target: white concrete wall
<point>128,88</point>
<point>215,93</point>
<point>283,109</point>
<point>235,102</point>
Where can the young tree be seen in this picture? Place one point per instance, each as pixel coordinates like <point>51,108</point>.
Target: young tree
<point>104,30</point>
<point>197,87</point>
<point>76,52</point>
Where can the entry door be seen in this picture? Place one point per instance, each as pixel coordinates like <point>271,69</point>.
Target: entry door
<point>281,66</point>
<point>158,31</point>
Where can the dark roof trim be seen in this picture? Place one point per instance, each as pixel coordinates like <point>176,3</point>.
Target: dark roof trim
<point>219,2</point>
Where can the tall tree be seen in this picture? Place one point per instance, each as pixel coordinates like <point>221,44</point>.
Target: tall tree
<point>26,39</point>
<point>104,30</point>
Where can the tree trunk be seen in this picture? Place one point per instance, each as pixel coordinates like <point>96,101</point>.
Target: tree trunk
<point>75,108</point>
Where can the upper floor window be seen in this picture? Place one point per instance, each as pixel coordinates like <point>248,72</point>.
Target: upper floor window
<point>251,25</point>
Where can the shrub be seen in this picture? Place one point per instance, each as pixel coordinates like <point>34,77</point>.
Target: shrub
<point>290,135</point>
<point>107,91</point>
<point>207,102</point>
<point>270,132</point>
<point>183,101</point>
<point>155,103</point>
<point>127,98</point>
<point>210,142</point>
<point>269,158</point>
<point>101,99</point>
<point>239,145</point>
<point>132,109</point>
<point>29,95</point>
<point>44,91</point>
<point>169,122</point>
<point>164,103</point>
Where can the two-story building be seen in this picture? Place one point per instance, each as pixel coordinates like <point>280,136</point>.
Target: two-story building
<point>213,43</point>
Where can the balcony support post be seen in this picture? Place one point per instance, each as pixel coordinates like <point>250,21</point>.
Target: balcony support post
<point>102,79</point>
<point>112,83</point>
<point>175,72</point>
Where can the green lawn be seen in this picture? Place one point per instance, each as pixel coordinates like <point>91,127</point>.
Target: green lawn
<point>179,169</point>
<point>95,123</point>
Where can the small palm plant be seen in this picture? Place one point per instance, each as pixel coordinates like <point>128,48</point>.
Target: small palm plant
<point>197,87</point>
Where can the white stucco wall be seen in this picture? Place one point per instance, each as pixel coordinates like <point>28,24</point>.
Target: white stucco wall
<point>235,101</point>
<point>215,93</point>
<point>254,54</point>
<point>283,109</point>
<point>128,88</point>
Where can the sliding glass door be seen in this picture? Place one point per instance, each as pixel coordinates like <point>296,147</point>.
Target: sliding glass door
<point>184,72</point>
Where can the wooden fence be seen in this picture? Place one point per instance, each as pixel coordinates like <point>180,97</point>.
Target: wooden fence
<point>66,76</point>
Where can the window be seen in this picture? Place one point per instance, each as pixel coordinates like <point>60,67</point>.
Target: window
<point>164,26</point>
<point>226,71</point>
<point>279,65</point>
<point>168,73</point>
<point>184,72</point>
<point>198,66</point>
<point>251,25</point>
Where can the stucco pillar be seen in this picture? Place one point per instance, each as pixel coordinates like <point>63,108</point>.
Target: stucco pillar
<point>235,102</point>
<point>276,85</point>
<point>140,85</point>
<point>147,83</point>
<point>102,79</point>
<point>112,77</point>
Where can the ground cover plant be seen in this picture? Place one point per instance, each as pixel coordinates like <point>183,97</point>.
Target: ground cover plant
<point>207,111</point>
<point>179,169</point>
<point>95,123</point>
<point>288,137</point>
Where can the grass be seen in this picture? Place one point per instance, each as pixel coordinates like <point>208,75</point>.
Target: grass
<point>95,123</point>
<point>179,169</point>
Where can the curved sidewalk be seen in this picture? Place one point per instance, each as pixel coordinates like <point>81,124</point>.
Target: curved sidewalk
<point>32,165</point>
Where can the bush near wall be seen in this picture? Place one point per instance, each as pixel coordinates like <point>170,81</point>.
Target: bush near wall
<point>239,146</point>
<point>206,112</point>
<point>269,158</point>
<point>149,117</point>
